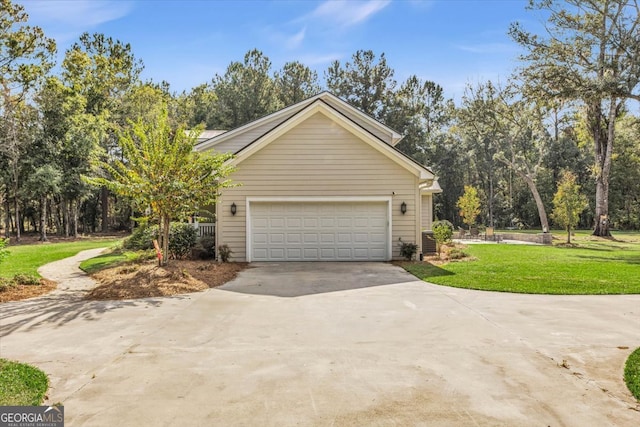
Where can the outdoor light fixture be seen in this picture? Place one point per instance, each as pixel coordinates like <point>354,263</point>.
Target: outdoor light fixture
<point>234,209</point>
<point>403,208</point>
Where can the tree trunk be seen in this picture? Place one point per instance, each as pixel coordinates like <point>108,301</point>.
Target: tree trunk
<point>603,156</point>
<point>165,223</point>
<point>16,205</point>
<point>66,217</point>
<point>568,234</point>
<point>74,213</point>
<point>7,216</point>
<point>104,199</point>
<point>43,219</point>
<point>542,212</point>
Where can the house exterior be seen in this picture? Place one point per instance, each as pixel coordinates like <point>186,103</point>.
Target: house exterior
<point>320,181</point>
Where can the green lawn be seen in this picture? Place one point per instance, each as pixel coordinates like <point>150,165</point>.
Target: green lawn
<point>21,384</point>
<point>632,373</point>
<point>26,259</point>
<point>113,259</point>
<point>593,267</point>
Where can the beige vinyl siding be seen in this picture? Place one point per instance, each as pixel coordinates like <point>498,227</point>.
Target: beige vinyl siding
<point>318,158</point>
<point>238,142</point>
<point>427,212</point>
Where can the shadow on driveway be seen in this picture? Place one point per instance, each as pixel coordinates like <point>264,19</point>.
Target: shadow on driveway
<point>54,310</point>
<point>295,279</point>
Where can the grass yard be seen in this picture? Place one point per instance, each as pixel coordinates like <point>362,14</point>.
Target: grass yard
<point>632,373</point>
<point>26,259</point>
<point>113,259</point>
<point>592,267</point>
<point>21,384</point>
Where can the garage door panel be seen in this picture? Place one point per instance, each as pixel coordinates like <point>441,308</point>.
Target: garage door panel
<point>311,223</point>
<point>311,238</point>
<point>276,238</point>
<point>309,231</point>
<point>310,254</point>
<point>327,238</point>
<point>294,238</point>
<point>294,254</point>
<point>294,222</point>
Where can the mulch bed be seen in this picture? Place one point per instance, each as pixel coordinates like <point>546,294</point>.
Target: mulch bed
<point>20,292</point>
<point>147,280</point>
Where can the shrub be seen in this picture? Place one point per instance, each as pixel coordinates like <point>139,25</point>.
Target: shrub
<point>182,237</point>
<point>408,250</point>
<point>26,279</point>
<point>5,284</point>
<point>442,232</point>
<point>456,253</point>
<point>3,251</point>
<point>206,247</point>
<point>225,253</point>
<point>141,239</point>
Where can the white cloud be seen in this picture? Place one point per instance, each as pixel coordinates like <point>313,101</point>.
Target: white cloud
<point>65,19</point>
<point>488,48</point>
<point>296,40</point>
<point>320,59</point>
<point>347,13</point>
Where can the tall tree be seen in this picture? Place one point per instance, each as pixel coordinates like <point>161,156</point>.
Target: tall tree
<point>590,54</point>
<point>76,135</point>
<point>419,111</point>
<point>365,83</point>
<point>160,170</point>
<point>480,130</point>
<point>102,70</point>
<point>523,142</point>
<point>25,57</point>
<point>245,92</point>
<point>296,82</point>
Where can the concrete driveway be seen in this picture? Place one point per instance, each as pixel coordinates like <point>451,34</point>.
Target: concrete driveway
<point>332,344</point>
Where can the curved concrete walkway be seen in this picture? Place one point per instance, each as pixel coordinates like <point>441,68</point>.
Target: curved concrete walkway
<point>346,344</point>
<point>72,282</point>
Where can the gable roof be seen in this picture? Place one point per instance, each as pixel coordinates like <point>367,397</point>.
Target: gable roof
<point>271,121</point>
<point>253,136</point>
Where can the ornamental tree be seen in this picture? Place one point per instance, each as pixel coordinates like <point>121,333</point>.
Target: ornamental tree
<point>568,203</point>
<point>469,205</point>
<point>161,171</point>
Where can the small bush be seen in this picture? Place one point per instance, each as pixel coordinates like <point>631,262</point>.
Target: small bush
<point>442,232</point>
<point>182,238</point>
<point>3,252</point>
<point>142,238</point>
<point>26,279</point>
<point>208,243</point>
<point>632,373</point>
<point>456,253</point>
<point>225,253</point>
<point>5,284</point>
<point>407,250</point>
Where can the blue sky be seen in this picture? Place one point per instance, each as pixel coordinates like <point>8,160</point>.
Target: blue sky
<point>452,42</point>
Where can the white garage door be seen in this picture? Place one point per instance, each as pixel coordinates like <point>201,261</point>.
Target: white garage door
<point>319,231</point>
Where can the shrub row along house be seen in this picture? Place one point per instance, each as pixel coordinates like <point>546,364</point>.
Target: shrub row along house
<point>320,181</point>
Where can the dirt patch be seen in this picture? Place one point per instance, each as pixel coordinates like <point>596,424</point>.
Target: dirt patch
<point>148,280</point>
<point>20,292</point>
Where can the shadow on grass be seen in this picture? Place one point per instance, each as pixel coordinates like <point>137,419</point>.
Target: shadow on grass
<point>425,270</point>
<point>626,260</point>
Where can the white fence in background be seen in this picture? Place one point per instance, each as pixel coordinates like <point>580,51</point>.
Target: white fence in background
<point>205,228</point>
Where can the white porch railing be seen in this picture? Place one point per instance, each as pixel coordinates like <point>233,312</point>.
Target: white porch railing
<point>205,228</point>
